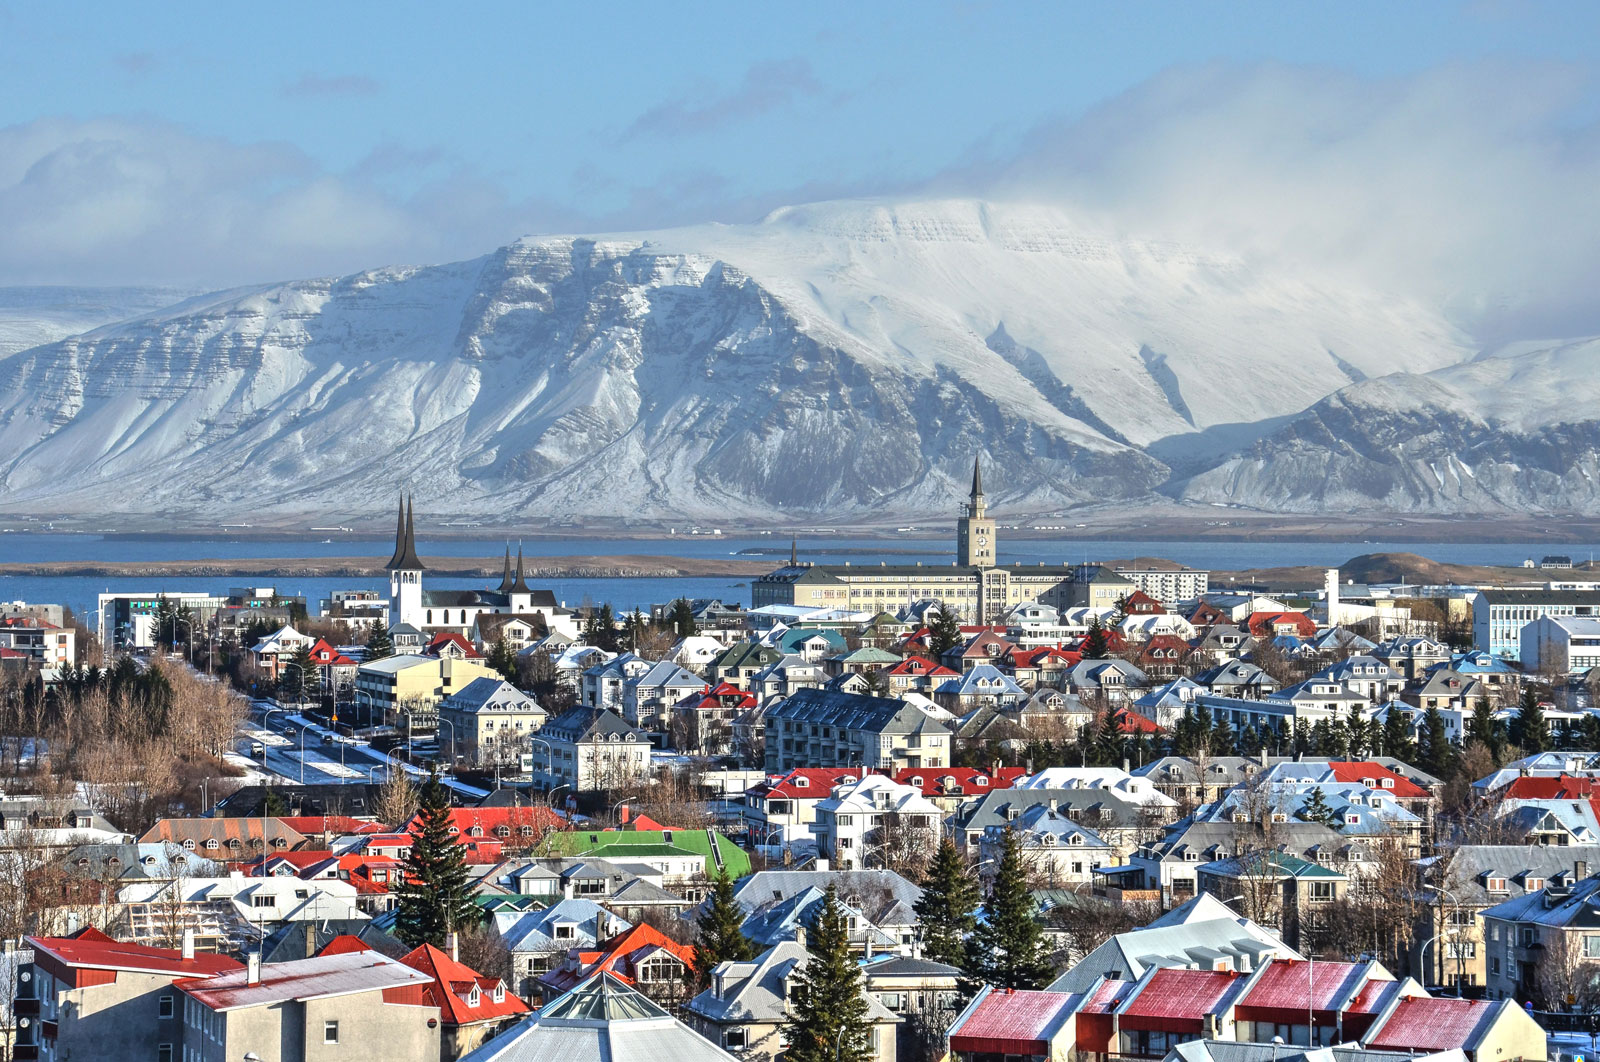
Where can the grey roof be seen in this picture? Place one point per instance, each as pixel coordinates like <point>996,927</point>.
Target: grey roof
<point>1471,864</point>
<point>1002,805</point>
<point>288,942</point>
<point>583,723</point>
<point>906,966</point>
<point>882,715</point>
<point>754,991</point>
<point>1572,906</point>
<point>490,695</point>
<point>880,892</point>
<point>600,1020</point>
<point>1539,597</point>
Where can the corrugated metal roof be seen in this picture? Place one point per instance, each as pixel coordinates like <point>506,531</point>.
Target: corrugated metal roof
<point>341,974</point>
<point>1012,1022</point>
<point>1175,1000</point>
<point>1287,985</point>
<point>1422,1024</point>
<point>95,951</point>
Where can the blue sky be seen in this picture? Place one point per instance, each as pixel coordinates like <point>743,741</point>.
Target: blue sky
<point>207,144</point>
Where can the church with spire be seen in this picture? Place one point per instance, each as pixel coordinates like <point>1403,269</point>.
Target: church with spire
<point>976,584</point>
<point>457,611</point>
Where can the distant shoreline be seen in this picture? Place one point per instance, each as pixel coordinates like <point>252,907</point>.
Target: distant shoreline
<point>581,567</point>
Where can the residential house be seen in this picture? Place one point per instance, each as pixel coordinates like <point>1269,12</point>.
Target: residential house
<point>982,685</point>
<point>747,1005</point>
<point>1289,895</point>
<point>39,641</point>
<point>539,940</point>
<point>643,958</point>
<point>648,697</point>
<point>489,723</point>
<point>473,1008</point>
<point>876,817</point>
<point>592,748</point>
<point>951,787</point>
<point>411,686</point>
<point>603,682</point>
<point>780,904</point>
<point>1530,937</point>
<point>916,673</point>
<point>1115,680</point>
<point>1058,849</point>
<point>781,809</point>
<point>1121,823</point>
<point>823,728</point>
<point>703,721</point>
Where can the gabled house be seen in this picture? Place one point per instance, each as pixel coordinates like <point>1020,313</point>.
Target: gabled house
<point>642,958</point>
<point>473,1008</point>
<point>979,686</point>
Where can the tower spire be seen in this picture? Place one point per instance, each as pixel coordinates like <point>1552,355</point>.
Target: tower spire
<point>405,541</point>
<point>794,552</point>
<point>505,577</point>
<point>977,478</point>
<point>520,585</point>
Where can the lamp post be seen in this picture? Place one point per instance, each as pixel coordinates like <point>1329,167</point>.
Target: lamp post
<point>452,726</point>
<point>551,795</point>
<point>1444,927</point>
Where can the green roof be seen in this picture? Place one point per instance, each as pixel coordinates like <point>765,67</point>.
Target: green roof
<point>622,845</point>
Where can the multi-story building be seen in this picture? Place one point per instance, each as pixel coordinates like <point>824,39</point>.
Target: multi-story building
<point>412,685</point>
<point>40,641</point>
<point>975,586</point>
<point>489,722</point>
<point>1169,586</point>
<point>592,748</point>
<point>337,1005</point>
<point>1498,616</point>
<point>1562,645</point>
<point>88,996</point>
<point>875,814</point>
<point>827,728</point>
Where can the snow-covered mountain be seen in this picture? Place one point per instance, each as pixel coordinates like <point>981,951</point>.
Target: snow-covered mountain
<point>840,359</point>
<point>31,316</point>
<point>1517,431</point>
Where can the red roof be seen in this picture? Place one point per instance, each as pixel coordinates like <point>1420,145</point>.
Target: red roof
<point>451,638</point>
<point>1011,1023</point>
<point>503,823</point>
<point>965,781</point>
<point>808,783</point>
<point>1140,603</point>
<point>344,944</point>
<point>1372,775</point>
<point>1282,990</point>
<point>1422,1024</point>
<point>453,986</point>
<point>1264,623</point>
<point>96,951</point>
<point>1174,1000</point>
<point>718,696</point>
<point>1036,657</point>
<point>325,655</point>
<point>618,957</point>
<point>920,666</point>
<point>1131,722</point>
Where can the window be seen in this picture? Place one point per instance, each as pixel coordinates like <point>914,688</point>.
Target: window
<point>164,1006</point>
<point>1591,946</point>
<point>259,900</point>
<point>1322,892</point>
<point>163,1053</point>
<point>330,1032</point>
<point>1495,884</point>
<point>734,1039</point>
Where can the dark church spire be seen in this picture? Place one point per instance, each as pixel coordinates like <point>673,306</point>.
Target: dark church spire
<point>794,552</point>
<point>405,541</point>
<point>520,585</point>
<point>505,577</point>
<point>977,479</point>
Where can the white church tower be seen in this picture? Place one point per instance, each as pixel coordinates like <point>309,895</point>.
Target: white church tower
<point>405,572</point>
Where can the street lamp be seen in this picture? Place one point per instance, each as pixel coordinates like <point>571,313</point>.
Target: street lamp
<point>551,795</point>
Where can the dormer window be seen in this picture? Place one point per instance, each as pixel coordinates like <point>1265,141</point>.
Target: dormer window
<point>474,997</point>
<point>499,992</point>
<point>1533,884</point>
<point>1494,884</point>
<point>1352,820</point>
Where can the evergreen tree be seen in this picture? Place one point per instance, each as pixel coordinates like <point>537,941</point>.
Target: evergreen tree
<point>1589,728</point>
<point>1397,736</point>
<point>1096,646</point>
<point>502,659</point>
<point>301,679</point>
<point>1108,739</point>
<point>1009,949</point>
<point>944,632</point>
<point>1316,809</point>
<point>721,937</point>
<point>1529,730</point>
<point>1121,612</point>
<point>948,907</point>
<point>1483,728</point>
<point>637,626</point>
<point>379,644</point>
<point>682,618</point>
<point>435,899</point>
<point>1220,739</point>
<point>1250,742</point>
<point>828,1013</point>
<point>1435,751</point>
<point>1322,738</point>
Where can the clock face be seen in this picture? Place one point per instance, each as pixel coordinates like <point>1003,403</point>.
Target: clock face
<point>983,540</point>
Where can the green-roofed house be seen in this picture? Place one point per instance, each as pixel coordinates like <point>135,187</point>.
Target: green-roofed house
<point>1287,894</point>
<point>685,857</point>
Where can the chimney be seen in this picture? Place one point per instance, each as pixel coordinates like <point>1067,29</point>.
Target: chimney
<point>188,943</point>
<point>311,938</point>
<point>1127,765</point>
<point>72,924</point>
<point>1580,869</point>
<point>252,969</point>
<point>452,944</point>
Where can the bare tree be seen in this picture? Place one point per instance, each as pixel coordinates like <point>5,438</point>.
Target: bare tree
<point>397,799</point>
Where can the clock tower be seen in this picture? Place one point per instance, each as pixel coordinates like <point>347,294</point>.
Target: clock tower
<point>974,530</point>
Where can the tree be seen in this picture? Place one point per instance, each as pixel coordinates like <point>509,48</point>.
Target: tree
<point>722,937</point>
<point>1096,646</point>
<point>502,659</point>
<point>396,802</point>
<point>435,898</point>
<point>947,908</point>
<point>379,644</point>
<point>1529,730</point>
<point>302,679</point>
<point>1397,736</point>
<point>682,618</point>
<point>1435,751</point>
<point>1009,949</point>
<point>1317,810</point>
<point>944,633</point>
<point>828,1017</point>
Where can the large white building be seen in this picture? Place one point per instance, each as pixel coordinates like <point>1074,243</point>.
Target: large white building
<point>457,610</point>
<point>1498,616</point>
<point>875,813</point>
<point>1567,645</point>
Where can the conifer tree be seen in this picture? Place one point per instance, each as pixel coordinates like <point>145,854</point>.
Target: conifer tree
<point>722,937</point>
<point>682,618</point>
<point>944,633</point>
<point>435,898</point>
<point>1435,751</point>
<point>502,659</point>
<point>1397,736</point>
<point>828,1015</point>
<point>1009,948</point>
<point>1108,739</point>
<point>1316,809</point>
<point>1096,646</point>
<point>947,907</point>
<point>1483,728</point>
<point>1220,739</point>
<point>1529,727</point>
<point>301,679</point>
<point>379,644</point>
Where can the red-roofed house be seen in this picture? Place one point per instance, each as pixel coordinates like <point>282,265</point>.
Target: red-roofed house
<point>1131,722</point>
<point>515,827</point>
<point>338,671</point>
<point>951,786</point>
<point>782,809</point>
<point>916,673</point>
<point>472,1007</point>
<point>1267,624</point>
<point>1140,603</point>
<point>1287,991</point>
<point>88,996</point>
<point>1000,1023</point>
<point>1162,655</point>
<point>1042,666</point>
<point>1485,1030</point>
<point>38,640</point>
<point>642,957</point>
<point>985,646</point>
<point>451,644</point>
<point>1172,1005</point>
<point>704,720</point>
<point>327,827</point>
